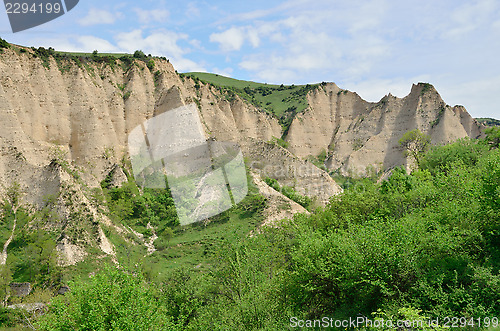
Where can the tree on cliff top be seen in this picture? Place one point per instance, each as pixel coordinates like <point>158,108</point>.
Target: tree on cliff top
<point>415,144</point>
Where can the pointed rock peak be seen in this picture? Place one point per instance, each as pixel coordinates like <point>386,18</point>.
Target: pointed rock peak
<point>329,86</point>
<point>386,98</point>
<point>332,84</point>
<point>459,108</point>
<point>424,89</point>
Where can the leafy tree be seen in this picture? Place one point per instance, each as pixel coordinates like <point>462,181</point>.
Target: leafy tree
<point>415,144</point>
<point>4,44</point>
<point>139,54</point>
<point>493,136</point>
<point>439,158</point>
<point>245,284</point>
<point>168,234</point>
<point>151,65</point>
<point>38,259</point>
<point>13,197</point>
<point>113,299</point>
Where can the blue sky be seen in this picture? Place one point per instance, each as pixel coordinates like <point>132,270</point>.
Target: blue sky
<point>372,47</point>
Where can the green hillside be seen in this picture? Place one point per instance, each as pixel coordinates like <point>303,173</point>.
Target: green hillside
<point>488,121</point>
<point>282,101</point>
<point>415,246</point>
<point>219,80</point>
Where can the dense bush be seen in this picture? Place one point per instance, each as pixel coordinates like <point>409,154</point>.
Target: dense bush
<point>4,44</point>
<point>439,158</point>
<point>110,300</point>
<point>290,193</point>
<point>155,206</point>
<point>425,243</point>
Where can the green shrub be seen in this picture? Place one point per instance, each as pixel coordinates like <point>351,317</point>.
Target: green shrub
<point>279,142</point>
<point>151,65</point>
<point>4,44</point>
<point>290,193</point>
<point>111,300</point>
<point>253,204</point>
<point>439,158</point>
<point>139,55</point>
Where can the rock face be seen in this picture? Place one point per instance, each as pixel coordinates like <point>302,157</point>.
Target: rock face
<point>269,160</point>
<point>20,289</point>
<point>55,121</point>
<point>359,135</point>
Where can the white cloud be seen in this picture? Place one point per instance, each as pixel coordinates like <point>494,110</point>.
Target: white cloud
<point>470,17</point>
<point>154,15</point>
<point>223,72</point>
<point>478,95</point>
<point>253,37</point>
<point>82,44</point>
<point>375,89</point>
<point>157,42</point>
<point>192,10</point>
<point>229,40</point>
<point>162,43</point>
<point>87,43</point>
<point>99,16</point>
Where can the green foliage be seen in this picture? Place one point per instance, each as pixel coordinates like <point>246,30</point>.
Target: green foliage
<point>493,136</point>
<point>151,65</point>
<point>13,196</point>
<point>5,279</point>
<point>279,142</point>
<point>439,158</point>
<point>415,144</point>
<point>167,233</point>
<point>423,240</point>
<point>417,245</point>
<point>283,102</point>
<point>438,117</point>
<point>127,204</point>
<point>139,55</point>
<point>44,54</point>
<point>246,283</point>
<point>10,318</point>
<point>127,95</point>
<point>35,258</point>
<point>290,193</point>
<point>322,156</point>
<point>357,144</point>
<point>111,300</point>
<point>319,160</point>
<point>157,76</point>
<point>4,44</point>
<point>488,121</point>
<point>253,204</point>
<point>126,61</point>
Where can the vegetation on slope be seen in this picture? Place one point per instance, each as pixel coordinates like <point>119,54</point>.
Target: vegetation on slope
<point>417,245</point>
<point>488,121</point>
<point>282,101</point>
<point>65,60</point>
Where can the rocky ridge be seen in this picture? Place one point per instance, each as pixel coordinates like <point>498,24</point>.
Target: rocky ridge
<point>64,131</point>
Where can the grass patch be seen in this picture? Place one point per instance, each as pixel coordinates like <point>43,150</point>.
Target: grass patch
<point>282,101</point>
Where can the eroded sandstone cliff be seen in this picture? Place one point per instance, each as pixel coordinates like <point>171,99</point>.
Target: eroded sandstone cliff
<point>358,135</point>
<point>81,115</point>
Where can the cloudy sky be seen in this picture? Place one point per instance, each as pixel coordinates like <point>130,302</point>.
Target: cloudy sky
<point>372,47</point>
